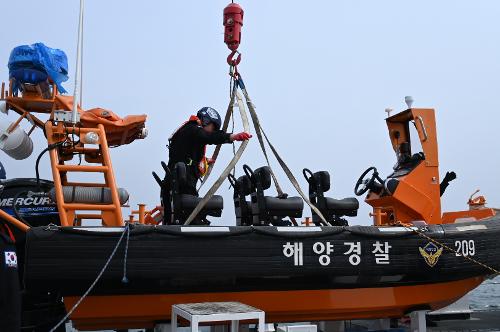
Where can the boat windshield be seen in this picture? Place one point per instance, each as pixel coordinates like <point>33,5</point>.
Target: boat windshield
<point>416,145</point>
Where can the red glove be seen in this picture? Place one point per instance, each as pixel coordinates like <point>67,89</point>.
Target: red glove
<point>240,136</point>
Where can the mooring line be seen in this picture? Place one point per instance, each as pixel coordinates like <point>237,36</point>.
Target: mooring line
<point>87,292</point>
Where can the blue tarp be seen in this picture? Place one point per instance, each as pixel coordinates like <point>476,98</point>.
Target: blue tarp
<point>39,57</point>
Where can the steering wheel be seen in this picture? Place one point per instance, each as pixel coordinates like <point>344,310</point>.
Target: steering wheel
<point>307,174</point>
<point>365,181</point>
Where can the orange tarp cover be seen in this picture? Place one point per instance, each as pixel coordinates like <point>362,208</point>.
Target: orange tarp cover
<point>119,131</point>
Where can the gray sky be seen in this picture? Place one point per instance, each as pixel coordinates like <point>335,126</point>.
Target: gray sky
<point>321,75</point>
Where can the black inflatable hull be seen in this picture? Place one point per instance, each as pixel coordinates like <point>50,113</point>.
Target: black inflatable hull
<point>174,259</point>
<point>10,294</point>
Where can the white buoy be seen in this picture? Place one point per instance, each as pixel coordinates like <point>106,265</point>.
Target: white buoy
<point>91,138</point>
<point>409,101</point>
<point>3,107</point>
<point>17,144</point>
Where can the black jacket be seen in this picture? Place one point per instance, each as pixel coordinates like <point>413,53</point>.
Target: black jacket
<point>188,145</point>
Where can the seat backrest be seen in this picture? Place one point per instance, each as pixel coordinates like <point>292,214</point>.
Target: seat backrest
<point>179,177</point>
<point>319,183</point>
<point>322,180</point>
<point>243,187</point>
<point>261,178</point>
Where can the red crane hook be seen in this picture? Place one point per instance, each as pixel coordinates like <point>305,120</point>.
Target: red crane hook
<point>233,21</point>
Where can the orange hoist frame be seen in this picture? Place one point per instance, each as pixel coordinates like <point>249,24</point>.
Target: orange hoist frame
<point>69,141</point>
<point>119,131</point>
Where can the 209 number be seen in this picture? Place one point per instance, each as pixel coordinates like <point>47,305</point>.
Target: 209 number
<point>465,248</point>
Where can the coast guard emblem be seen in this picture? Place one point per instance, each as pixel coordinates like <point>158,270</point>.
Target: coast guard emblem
<point>431,253</point>
<point>10,259</point>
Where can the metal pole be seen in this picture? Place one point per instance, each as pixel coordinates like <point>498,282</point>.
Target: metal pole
<point>81,60</point>
<point>17,223</point>
<point>76,94</point>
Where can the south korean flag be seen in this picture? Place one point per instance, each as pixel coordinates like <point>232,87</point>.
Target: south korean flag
<point>10,259</point>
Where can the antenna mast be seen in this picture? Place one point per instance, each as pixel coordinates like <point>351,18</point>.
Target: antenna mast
<point>76,94</point>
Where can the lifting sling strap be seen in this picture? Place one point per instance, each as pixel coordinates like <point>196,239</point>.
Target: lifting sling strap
<point>227,117</point>
<point>261,135</point>
<point>260,131</point>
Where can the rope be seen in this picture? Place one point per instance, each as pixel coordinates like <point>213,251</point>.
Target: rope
<point>125,279</point>
<point>87,292</point>
<point>228,168</point>
<point>417,231</point>
<point>260,131</point>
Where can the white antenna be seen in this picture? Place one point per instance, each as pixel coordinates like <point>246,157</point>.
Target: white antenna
<point>409,101</point>
<point>81,62</point>
<point>388,111</point>
<point>76,94</point>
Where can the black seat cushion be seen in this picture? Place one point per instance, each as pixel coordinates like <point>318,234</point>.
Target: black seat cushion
<point>349,203</point>
<point>291,206</point>
<point>189,202</point>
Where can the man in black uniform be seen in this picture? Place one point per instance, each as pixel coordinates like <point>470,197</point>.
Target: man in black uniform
<point>188,144</point>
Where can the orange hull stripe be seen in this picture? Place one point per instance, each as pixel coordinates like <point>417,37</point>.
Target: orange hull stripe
<point>334,304</point>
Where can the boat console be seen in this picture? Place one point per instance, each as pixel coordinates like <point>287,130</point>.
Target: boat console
<point>412,191</point>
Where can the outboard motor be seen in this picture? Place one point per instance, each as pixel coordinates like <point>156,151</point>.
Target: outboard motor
<point>34,209</point>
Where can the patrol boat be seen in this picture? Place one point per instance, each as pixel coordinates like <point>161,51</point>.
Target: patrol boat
<point>127,273</point>
<point>413,257</point>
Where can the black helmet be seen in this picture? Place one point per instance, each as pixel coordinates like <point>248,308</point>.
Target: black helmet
<point>209,115</point>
